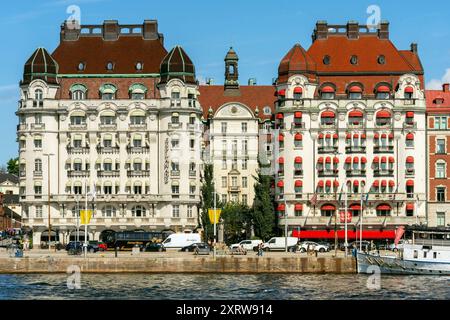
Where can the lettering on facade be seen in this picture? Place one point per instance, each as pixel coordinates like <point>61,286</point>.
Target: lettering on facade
<point>166,161</point>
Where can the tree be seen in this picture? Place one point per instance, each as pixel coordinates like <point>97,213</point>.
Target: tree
<point>13,166</point>
<point>207,201</point>
<point>263,214</point>
<point>236,219</point>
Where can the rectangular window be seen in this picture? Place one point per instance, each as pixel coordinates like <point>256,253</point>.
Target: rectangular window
<point>175,211</point>
<point>244,164</point>
<point>137,189</point>
<point>38,143</point>
<point>440,194</point>
<point>192,143</point>
<point>224,182</point>
<point>244,127</point>
<point>440,123</point>
<point>440,146</point>
<point>107,143</point>
<point>77,143</point>
<point>38,190</point>
<point>189,211</point>
<point>38,119</point>
<point>440,170</point>
<point>137,120</point>
<point>234,181</point>
<point>244,199</point>
<point>107,166</point>
<point>175,189</point>
<point>224,198</point>
<point>224,127</point>
<point>107,189</point>
<point>192,190</point>
<point>38,211</point>
<point>224,164</point>
<point>175,143</point>
<point>440,219</point>
<point>78,166</point>
<point>244,182</point>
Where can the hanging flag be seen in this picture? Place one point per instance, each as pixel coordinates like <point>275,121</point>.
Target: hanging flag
<point>313,200</point>
<point>344,216</point>
<point>398,234</point>
<point>217,215</point>
<point>340,195</point>
<point>85,216</point>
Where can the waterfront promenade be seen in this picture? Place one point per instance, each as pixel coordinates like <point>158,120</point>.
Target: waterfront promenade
<point>43,261</point>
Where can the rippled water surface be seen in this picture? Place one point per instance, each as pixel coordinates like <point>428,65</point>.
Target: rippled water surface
<point>222,286</point>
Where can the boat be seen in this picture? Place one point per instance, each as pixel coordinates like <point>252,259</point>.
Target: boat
<point>426,253</point>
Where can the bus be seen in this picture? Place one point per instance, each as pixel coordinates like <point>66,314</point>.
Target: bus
<point>126,240</point>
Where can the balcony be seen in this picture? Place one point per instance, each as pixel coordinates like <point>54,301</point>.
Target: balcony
<point>326,197</point>
<point>409,102</point>
<point>38,104</point>
<point>138,149</point>
<point>234,188</point>
<point>298,125</point>
<point>327,125</point>
<point>328,173</point>
<point>37,173</point>
<point>192,103</point>
<point>175,102</point>
<point>137,126</point>
<point>108,174</point>
<point>137,173</point>
<point>410,125</point>
<point>355,125</point>
<point>80,126</point>
<point>175,173</point>
<point>192,173</point>
<point>355,149</point>
<point>175,125</point>
<point>298,172</point>
<point>383,125</point>
<point>107,126</point>
<point>22,126</point>
<point>355,173</point>
<point>383,173</point>
<point>192,126</point>
<point>38,126</point>
<point>409,172</point>
<point>78,150</point>
<point>327,149</point>
<point>77,173</point>
<point>383,149</point>
<point>107,149</point>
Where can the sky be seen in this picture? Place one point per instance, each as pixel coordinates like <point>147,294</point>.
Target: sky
<point>260,31</point>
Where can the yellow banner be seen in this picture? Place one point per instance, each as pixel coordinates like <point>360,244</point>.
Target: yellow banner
<point>85,216</point>
<point>211,215</point>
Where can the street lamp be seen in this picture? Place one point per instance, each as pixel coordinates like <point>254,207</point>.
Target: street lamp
<point>48,189</point>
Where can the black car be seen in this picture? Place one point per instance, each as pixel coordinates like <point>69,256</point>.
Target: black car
<point>76,247</point>
<point>154,246</point>
<point>192,247</point>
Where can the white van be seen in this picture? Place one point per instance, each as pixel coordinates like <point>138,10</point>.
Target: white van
<point>246,244</point>
<point>180,240</point>
<point>278,243</point>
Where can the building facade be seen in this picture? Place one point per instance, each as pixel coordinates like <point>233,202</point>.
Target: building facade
<point>438,148</point>
<point>111,114</point>
<point>350,121</point>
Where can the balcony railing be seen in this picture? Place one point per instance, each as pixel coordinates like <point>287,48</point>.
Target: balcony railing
<point>107,126</point>
<point>137,173</point>
<point>408,102</point>
<point>81,126</point>
<point>355,173</point>
<point>327,149</point>
<point>380,149</point>
<point>175,173</point>
<point>355,149</point>
<point>78,173</point>
<point>355,125</point>
<point>71,150</point>
<point>175,125</point>
<point>327,125</point>
<point>175,102</point>
<point>383,173</point>
<point>22,126</point>
<point>298,125</point>
<point>137,126</point>
<point>101,149</point>
<point>410,125</point>
<point>38,126</point>
<point>328,173</point>
<point>108,174</point>
<point>37,173</point>
<point>132,149</point>
<point>192,173</point>
<point>409,172</point>
<point>234,188</point>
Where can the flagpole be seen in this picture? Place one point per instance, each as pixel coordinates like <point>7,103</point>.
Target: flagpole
<point>361,219</point>
<point>345,215</point>
<point>214,242</point>
<point>86,218</point>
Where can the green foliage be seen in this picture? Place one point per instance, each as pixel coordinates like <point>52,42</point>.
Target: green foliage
<point>13,166</point>
<point>207,201</point>
<point>236,218</point>
<point>263,214</point>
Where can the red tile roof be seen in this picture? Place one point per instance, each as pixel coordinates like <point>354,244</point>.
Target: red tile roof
<point>95,52</point>
<point>432,106</point>
<point>251,96</point>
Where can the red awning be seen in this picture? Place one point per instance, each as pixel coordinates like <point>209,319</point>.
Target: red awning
<point>298,207</point>
<point>384,136</point>
<point>297,114</point>
<point>383,89</point>
<point>355,114</point>
<point>348,160</point>
<point>328,136</point>
<point>335,160</point>
<point>328,160</point>
<point>328,114</point>
<point>298,137</point>
<point>279,116</point>
<point>348,136</point>
<point>355,89</point>
<point>355,206</point>
<point>282,92</point>
<point>391,160</point>
<point>320,160</point>
<point>328,183</point>
<point>391,183</point>
<point>351,235</point>
<point>356,160</point>
<point>363,160</point>
<point>320,135</point>
<point>356,183</point>
<point>280,137</point>
<point>384,207</point>
<point>410,114</point>
<point>355,136</point>
<point>409,90</point>
<point>298,90</point>
<point>376,183</point>
<point>391,135</point>
<point>376,136</point>
<point>298,160</point>
<point>320,184</point>
<point>363,136</point>
<point>281,207</point>
<point>335,136</point>
<point>376,159</point>
<point>280,184</point>
<point>383,159</point>
<point>280,160</point>
<point>410,136</point>
<point>409,159</point>
<point>410,183</point>
<point>327,89</point>
<point>298,183</point>
<point>383,114</point>
<point>410,206</point>
<point>328,207</point>
<point>336,183</point>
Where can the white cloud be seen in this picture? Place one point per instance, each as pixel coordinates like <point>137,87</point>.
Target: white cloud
<point>436,84</point>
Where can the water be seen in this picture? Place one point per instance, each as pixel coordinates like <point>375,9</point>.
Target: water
<point>222,286</point>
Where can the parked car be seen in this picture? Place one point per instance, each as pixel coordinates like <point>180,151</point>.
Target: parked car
<point>314,246</point>
<point>98,246</point>
<point>154,246</point>
<point>246,244</point>
<point>202,249</point>
<point>192,247</point>
<point>181,240</point>
<point>279,243</point>
<point>79,245</point>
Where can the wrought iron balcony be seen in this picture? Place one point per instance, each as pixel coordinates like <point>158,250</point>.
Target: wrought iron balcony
<point>110,174</point>
<point>137,173</point>
<point>383,149</point>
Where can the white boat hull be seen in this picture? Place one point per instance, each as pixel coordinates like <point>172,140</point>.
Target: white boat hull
<point>368,263</point>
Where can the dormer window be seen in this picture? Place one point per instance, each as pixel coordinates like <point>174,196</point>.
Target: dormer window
<point>110,66</point>
<point>298,91</point>
<point>81,66</point>
<point>438,100</point>
<point>139,66</point>
<point>326,60</point>
<point>327,92</point>
<point>355,92</point>
<point>409,91</point>
<point>38,95</point>
<point>354,60</point>
<point>381,59</point>
<point>137,91</point>
<point>108,92</point>
<point>78,92</point>
<point>383,92</point>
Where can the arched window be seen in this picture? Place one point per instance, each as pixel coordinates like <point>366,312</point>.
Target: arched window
<point>137,91</point>
<point>298,92</point>
<point>108,117</point>
<point>108,91</point>
<point>137,164</point>
<point>109,211</point>
<point>327,92</point>
<point>410,189</point>
<point>327,117</point>
<point>137,117</point>
<point>175,119</point>
<point>138,211</point>
<point>384,210</point>
<point>408,92</point>
<point>355,92</point>
<point>77,118</point>
<point>38,95</point>
<point>38,165</point>
<point>78,92</point>
<point>328,210</point>
<point>383,118</point>
<point>410,165</point>
<point>410,140</point>
<point>355,117</point>
<point>383,92</point>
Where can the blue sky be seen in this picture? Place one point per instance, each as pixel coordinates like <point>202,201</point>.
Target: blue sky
<point>260,31</point>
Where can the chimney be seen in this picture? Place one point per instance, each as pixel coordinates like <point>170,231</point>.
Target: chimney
<point>414,48</point>
<point>69,31</point>
<point>150,30</point>
<point>111,30</point>
<point>321,31</point>
<point>446,87</point>
<point>352,30</point>
<point>383,31</point>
